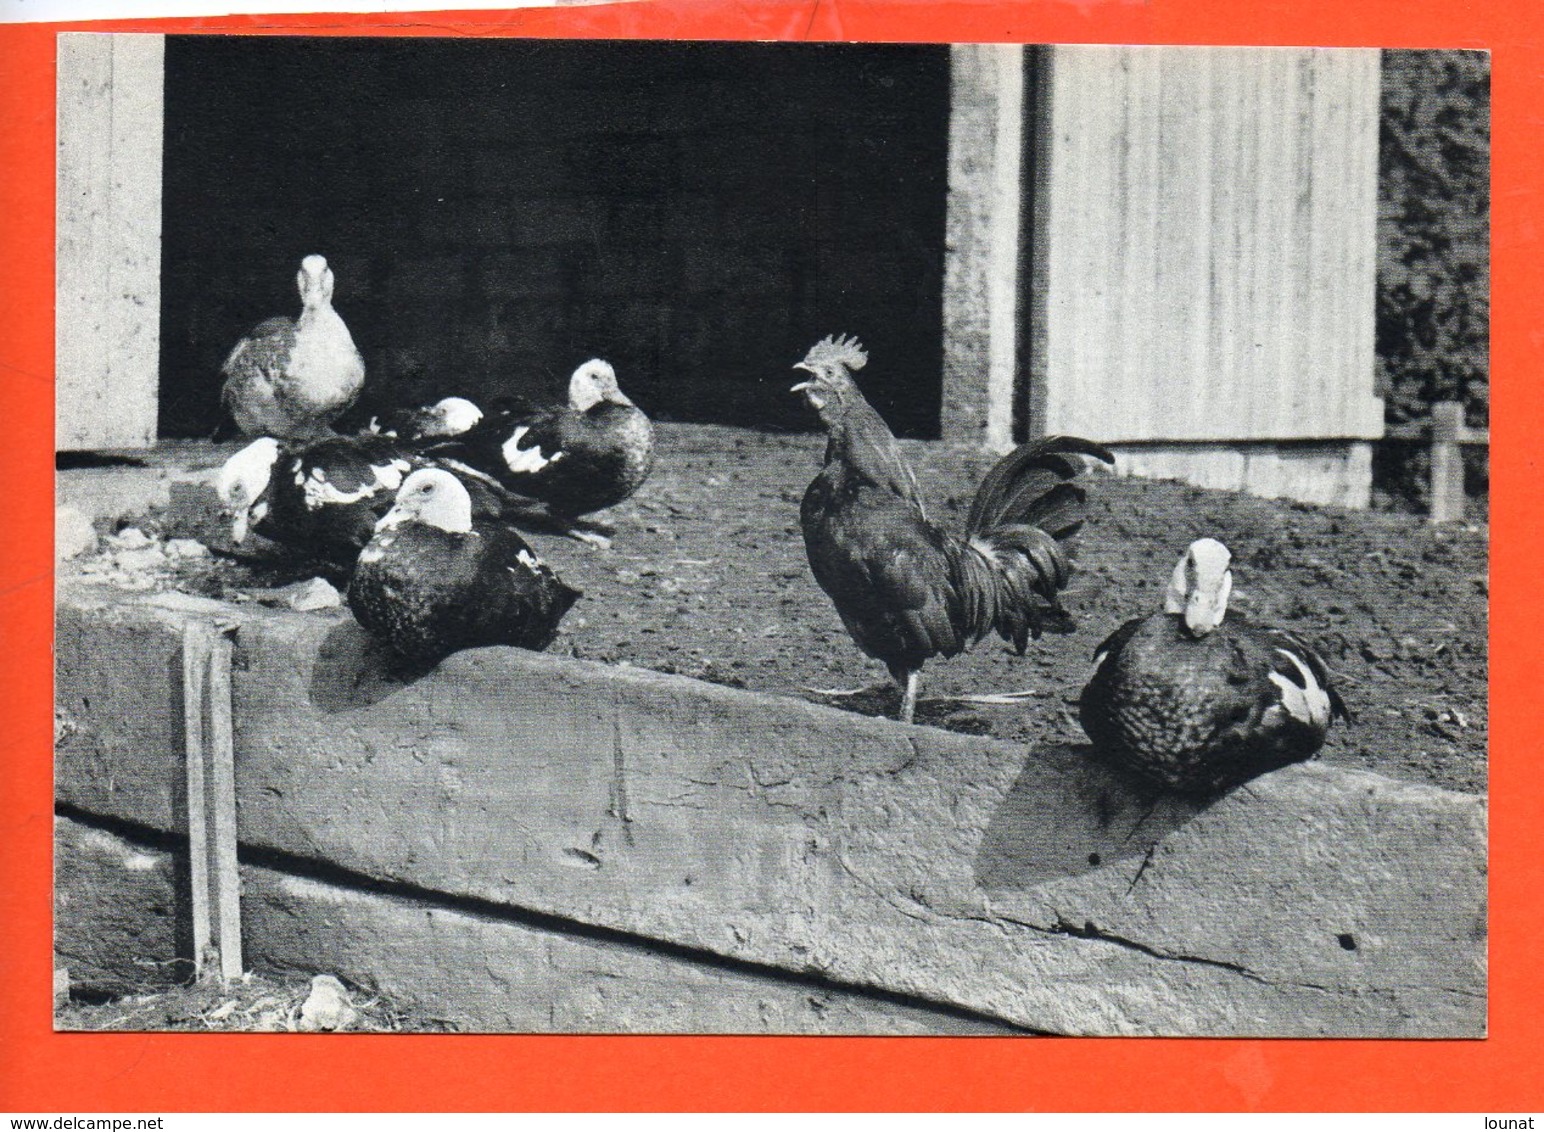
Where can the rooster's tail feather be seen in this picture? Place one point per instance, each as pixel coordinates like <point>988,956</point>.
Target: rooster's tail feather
<point>1008,581</point>
<point>1014,562</point>
<point>1024,486</point>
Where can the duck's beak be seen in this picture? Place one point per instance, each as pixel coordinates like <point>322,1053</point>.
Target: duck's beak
<point>239,526</point>
<point>1208,605</point>
<point>393,518</point>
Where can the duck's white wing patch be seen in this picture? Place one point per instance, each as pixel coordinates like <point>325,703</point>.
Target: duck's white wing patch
<point>524,460</point>
<point>391,475</point>
<point>321,492</point>
<point>376,547</point>
<point>1308,704</point>
<point>528,560</point>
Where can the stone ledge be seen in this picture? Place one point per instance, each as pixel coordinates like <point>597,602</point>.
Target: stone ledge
<point>1014,884</point>
<point>475,973</point>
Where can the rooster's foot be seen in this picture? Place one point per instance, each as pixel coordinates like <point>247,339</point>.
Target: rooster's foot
<point>990,698</point>
<point>593,538</point>
<point>852,693</point>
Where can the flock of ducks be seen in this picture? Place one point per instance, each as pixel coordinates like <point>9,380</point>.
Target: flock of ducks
<point>421,512</point>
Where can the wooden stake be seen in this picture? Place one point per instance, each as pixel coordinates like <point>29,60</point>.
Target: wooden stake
<point>1447,462</point>
<point>196,646</point>
<point>211,777</point>
<point>227,876</point>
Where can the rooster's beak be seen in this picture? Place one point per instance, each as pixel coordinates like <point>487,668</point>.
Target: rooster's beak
<point>803,385</point>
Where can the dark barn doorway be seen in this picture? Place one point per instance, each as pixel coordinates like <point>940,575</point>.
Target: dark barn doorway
<point>497,211</point>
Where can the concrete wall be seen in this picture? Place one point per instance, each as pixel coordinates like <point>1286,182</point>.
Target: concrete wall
<point>1020,887</point>
<point>1334,473</point>
<point>983,318</point>
<point>108,240</point>
<point>116,902</point>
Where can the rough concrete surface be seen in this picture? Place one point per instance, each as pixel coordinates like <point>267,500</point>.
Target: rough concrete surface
<point>115,912</point>
<point>1017,884</point>
<point>466,971</point>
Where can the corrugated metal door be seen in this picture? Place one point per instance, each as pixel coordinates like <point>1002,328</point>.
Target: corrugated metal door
<point>1203,255</point>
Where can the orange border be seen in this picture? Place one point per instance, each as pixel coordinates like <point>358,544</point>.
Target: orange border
<point>43,1071</point>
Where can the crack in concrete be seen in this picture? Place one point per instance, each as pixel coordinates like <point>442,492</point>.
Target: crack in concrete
<point>888,899</point>
<point>618,802</point>
<point>750,791</point>
<point>1089,930</point>
<point>355,883</point>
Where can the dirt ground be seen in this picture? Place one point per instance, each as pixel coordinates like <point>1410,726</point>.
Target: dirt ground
<point>261,1003</point>
<point>707,577</point>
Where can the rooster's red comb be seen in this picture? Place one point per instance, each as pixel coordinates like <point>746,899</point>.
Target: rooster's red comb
<point>844,349</point>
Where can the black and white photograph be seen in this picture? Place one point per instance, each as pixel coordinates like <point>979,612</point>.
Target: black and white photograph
<point>693,537</point>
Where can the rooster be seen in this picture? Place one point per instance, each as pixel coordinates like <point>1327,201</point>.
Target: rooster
<point>905,589</point>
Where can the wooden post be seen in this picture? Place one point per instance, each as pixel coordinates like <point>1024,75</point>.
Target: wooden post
<point>222,783</point>
<point>1447,462</point>
<point>195,665</point>
<point>211,781</point>
<point>982,251</point>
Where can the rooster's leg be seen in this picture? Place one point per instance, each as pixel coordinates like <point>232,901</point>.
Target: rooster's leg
<point>909,697</point>
<point>871,690</point>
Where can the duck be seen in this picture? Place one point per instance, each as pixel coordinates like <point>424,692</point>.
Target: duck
<point>1196,700</point>
<point>290,378</point>
<point>575,459</point>
<point>323,497</point>
<point>449,416</point>
<point>434,580</point>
